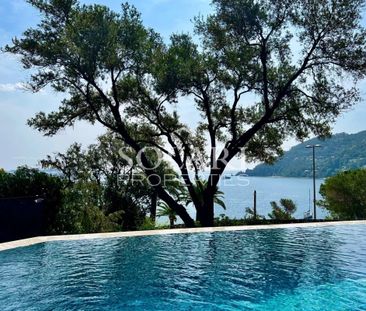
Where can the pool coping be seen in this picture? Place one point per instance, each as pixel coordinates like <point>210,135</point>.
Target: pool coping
<point>44,239</point>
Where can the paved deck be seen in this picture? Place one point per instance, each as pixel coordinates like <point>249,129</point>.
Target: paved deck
<point>44,239</point>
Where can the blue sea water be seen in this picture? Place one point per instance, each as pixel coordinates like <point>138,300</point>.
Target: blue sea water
<point>279,269</point>
<point>238,195</point>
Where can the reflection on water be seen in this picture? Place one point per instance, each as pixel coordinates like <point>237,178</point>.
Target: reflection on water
<point>253,270</point>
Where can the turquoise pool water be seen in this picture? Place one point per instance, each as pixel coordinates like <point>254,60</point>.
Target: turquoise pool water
<point>280,269</point>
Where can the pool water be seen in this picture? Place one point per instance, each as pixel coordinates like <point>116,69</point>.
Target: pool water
<point>279,269</point>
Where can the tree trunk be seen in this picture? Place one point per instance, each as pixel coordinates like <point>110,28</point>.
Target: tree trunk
<point>179,209</point>
<point>171,222</point>
<point>154,200</point>
<point>207,214</point>
<point>199,212</point>
<point>151,174</point>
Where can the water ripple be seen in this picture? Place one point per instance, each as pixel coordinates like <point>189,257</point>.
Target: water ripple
<point>285,269</point>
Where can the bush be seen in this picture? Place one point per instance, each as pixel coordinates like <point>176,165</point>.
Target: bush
<point>344,195</point>
<point>284,211</point>
<point>80,212</point>
<point>147,224</point>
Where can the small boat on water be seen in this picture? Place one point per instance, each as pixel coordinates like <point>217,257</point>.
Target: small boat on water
<point>307,215</point>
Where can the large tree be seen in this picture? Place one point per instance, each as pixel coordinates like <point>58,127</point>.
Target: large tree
<point>263,71</point>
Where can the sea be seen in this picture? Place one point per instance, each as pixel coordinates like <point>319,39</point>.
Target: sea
<point>239,195</point>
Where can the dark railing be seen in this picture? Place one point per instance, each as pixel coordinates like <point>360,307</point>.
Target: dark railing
<point>21,217</point>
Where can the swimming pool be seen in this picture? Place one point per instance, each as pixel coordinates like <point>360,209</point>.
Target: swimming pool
<point>278,269</point>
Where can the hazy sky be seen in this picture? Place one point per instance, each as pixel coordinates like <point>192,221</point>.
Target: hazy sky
<point>21,145</point>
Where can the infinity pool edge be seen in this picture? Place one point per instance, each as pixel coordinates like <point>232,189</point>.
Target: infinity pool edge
<point>44,239</point>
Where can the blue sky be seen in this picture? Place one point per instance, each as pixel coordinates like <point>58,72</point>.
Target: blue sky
<point>22,145</point>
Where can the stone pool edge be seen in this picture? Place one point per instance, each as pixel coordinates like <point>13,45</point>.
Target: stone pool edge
<point>44,239</point>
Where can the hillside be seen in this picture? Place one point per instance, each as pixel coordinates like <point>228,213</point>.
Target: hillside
<point>340,152</point>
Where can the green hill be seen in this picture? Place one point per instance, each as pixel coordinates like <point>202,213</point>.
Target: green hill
<point>340,152</point>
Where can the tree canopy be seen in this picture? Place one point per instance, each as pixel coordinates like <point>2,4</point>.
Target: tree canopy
<point>262,71</point>
<point>344,195</point>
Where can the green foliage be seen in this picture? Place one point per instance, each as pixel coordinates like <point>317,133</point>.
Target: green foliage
<point>338,153</point>
<point>166,211</point>
<point>283,212</point>
<point>200,188</point>
<point>249,214</point>
<point>80,212</point>
<point>249,86</point>
<point>70,208</point>
<point>100,192</point>
<point>147,224</point>
<point>344,195</point>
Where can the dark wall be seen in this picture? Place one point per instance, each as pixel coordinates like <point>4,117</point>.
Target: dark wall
<point>21,218</point>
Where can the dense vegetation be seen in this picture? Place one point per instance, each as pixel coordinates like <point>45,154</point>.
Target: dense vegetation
<point>77,201</point>
<point>258,73</point>
<point>98,192</point>
<point>90,190</point>
<point>345,195</point>
<point>339,153</point>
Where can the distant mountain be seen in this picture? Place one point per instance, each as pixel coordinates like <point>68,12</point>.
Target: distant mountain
<point>340,152</point>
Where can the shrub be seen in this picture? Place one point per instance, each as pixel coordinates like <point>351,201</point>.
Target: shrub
<point>344,195</point>
<point>284,211</point>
